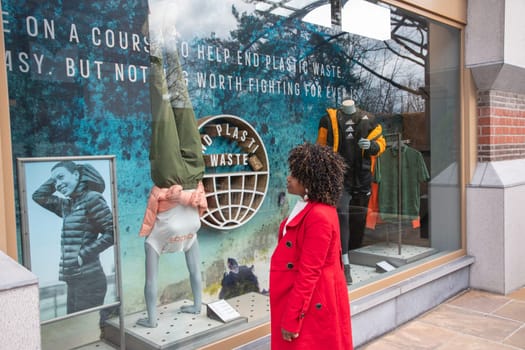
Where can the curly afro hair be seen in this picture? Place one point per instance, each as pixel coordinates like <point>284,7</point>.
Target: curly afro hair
<point>320,170</point>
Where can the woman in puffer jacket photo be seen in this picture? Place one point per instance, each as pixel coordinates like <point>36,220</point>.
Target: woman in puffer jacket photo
<point>74,193</point>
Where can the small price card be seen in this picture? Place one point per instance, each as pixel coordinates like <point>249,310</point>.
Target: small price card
<point>221,311</point>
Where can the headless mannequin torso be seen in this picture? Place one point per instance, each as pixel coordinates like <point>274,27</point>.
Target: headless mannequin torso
<point>357,137</point>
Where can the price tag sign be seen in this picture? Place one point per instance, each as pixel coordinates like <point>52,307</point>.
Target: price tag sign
<point>384,266</point>
<point>222,311</point>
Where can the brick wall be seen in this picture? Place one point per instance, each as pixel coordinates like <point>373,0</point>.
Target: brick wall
<point>501,126</point>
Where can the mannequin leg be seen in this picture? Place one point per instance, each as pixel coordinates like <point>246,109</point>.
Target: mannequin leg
<point>150,288</point>
<point>192,256</point>
<point>343,215</point>
<point>357,219</point>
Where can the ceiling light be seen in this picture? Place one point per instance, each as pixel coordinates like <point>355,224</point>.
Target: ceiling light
<point>322,16</point>
<point>364,18</point>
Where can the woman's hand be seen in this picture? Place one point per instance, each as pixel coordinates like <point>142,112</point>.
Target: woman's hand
<point>288,336</point>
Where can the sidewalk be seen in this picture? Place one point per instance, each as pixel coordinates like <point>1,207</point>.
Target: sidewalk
<point>473,320</point>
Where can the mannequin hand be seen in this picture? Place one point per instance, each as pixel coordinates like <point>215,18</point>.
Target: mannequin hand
<point>364,143</point>
<point>288,336</point>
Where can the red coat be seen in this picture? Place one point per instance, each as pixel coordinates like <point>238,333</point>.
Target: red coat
<point>308,291</point>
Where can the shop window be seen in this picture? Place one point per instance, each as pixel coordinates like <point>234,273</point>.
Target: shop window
<point>258,78</point>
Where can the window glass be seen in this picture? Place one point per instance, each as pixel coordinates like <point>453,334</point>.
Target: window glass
<point>258,80</point>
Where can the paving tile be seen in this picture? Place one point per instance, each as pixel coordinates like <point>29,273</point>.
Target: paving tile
<point>519,294</point>
<point>479,301</point>
<point>466,342</point>
<point>517,339</point>
<point>382,344</point>
<point>515,310</point>
<point>470,322</point>
<point>419,335</point>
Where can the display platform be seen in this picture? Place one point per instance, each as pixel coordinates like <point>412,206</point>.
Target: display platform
<point>98,345</point>
<point>178,330</point>
<point>372,254</point>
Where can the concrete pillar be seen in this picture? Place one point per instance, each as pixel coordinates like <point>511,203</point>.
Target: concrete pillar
<point>19,302</point>
<point>495,37</point>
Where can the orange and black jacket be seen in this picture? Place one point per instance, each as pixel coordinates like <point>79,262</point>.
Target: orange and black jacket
<point>342,133</point>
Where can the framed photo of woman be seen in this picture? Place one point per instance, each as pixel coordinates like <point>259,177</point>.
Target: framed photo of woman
<point>70,239</point>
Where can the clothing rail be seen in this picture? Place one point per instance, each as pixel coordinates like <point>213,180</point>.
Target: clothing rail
<point>394,140</point>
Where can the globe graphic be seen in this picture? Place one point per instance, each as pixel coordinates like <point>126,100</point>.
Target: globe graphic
<point>237,172</point>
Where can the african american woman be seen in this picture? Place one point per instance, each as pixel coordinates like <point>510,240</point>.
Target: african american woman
<point>309,305</point>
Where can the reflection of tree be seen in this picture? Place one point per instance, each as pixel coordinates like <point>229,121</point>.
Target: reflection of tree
<point>274,37</point>
<point>392,72</point>
<point>387,76</point>
<point>383,77</point>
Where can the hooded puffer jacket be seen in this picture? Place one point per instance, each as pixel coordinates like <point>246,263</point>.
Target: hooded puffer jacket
<point>87,228</point>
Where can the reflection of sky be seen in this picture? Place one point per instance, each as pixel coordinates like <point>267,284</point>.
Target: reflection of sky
<point>45,227</point>
<point>196,17</point>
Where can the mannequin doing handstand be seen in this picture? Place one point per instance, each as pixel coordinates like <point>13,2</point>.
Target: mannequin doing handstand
<point>177,199</point>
